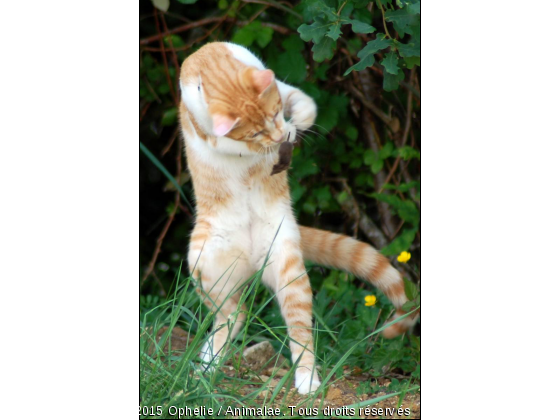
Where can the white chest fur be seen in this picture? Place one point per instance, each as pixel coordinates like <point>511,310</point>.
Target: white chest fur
<point>248,223</point>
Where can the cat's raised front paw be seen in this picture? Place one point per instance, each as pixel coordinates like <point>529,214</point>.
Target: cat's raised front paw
<point>291,133</point>
<point>303,110</point>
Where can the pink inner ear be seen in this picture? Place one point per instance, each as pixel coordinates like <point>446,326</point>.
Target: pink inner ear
<point>222,124</point>
<point>263,79</point>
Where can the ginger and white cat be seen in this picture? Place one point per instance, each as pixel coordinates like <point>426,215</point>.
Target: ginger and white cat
<point>232,117</point>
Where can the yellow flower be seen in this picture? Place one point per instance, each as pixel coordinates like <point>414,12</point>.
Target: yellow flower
<point>370,300</point>
<point>403,257</point>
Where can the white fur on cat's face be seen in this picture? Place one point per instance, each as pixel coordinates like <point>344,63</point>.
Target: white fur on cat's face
<point>276,130</point>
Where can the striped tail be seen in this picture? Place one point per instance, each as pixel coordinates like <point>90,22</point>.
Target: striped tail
<point>345,253</point>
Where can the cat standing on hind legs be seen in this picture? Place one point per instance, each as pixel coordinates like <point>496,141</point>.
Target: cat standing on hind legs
<point>232,118</point>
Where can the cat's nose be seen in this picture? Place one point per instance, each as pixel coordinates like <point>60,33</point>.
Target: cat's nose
<point>277,138</point>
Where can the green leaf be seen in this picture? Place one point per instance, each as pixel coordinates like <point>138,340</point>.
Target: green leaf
<point>413,8</point>
<point>410,289</point>
<point>187,1</point>
<point>387,150</point>
<point>294,43</point>
<point>223,4</point>
<point>162,5</point>
<point>303,167</point>
<point>342,197</point>
<point>377,166</point>
<point>244,36</point>
<point>290,66</point>
<point>310,205</point>
<point>296,190</point>
<point>252,32</point>
<point>313,8</point>
<point>334,31</point>
<point>409,212</point>
<point>340,103</point>
<point>406,209</point>
<point>404,187</point>
<point>316,31</point>
<point>361,3</point>
<point>402,21</point>
<point>369,157</point>
<point>364,179</point>
<point>374,46</point>
<point>163,89</point>
<point>400,243</point>
<point>173,40</point>
<point>264,36</point>
<point>336,167</point>
<point>321,72</point>
<point>409,306</point>
<point>361,65</point>
<point>346,10</point>
<point>169,117</point>
<point>324,50</point>
<point>410,62</point>
<point>390,62</point>
<point>408,152</point>
<point>352,132</point>
<point>391,81</point>
<point>360,27</point>
<point>412,49</point>
<point>323,196</point>
<point>354,45</point>
<point>312,90</point>
<point>356,163</point>
<point>327,119</point>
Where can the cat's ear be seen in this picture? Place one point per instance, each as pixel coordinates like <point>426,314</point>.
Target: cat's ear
<point>223,124</point>
<point>261,80</point>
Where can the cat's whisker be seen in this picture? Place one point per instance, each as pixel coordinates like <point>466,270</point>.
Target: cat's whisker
<point>305,137</point>
<point>318,134</point>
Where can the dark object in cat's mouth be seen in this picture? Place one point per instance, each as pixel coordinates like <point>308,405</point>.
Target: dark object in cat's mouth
<point>285,157</point>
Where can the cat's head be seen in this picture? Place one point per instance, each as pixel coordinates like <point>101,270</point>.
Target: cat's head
<point>248,108</point>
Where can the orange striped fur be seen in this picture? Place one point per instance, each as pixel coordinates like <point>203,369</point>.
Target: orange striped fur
<point>364,261</point>
<point>232,118</point>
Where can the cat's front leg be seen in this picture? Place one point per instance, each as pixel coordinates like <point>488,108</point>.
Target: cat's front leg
<point>298,106</point>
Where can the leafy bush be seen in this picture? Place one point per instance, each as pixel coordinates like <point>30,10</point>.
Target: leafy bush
<point>356,171</point>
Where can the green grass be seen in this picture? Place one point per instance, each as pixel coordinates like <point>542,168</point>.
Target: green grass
<point>346,335</point>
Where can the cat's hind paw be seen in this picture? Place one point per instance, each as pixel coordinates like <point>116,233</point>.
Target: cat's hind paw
<point>209,360</point>
<point>306,382</point>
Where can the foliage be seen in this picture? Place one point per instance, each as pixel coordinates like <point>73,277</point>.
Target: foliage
<point>356,172</point>
<point>330,16</point>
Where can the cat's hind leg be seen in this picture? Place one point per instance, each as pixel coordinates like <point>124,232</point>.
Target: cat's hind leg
<point>287,277</point>
<point>229,318</point>
<point>221,288</point>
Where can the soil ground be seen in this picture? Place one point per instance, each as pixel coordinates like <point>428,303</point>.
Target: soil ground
<point>341,392</point>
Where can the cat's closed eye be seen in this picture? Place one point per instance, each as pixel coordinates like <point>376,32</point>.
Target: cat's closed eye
<point>256,134</point>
